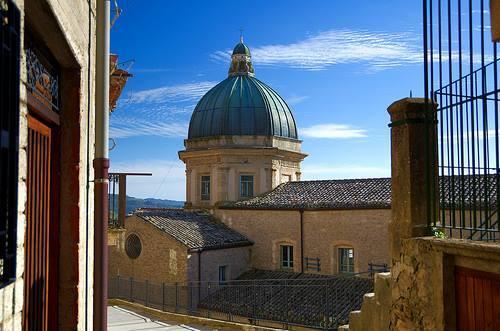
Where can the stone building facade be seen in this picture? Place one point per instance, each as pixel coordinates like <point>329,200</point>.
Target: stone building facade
<point>242,161</point>
<point>319,220</point>
<point>57,40</point>
<point>177,246</point>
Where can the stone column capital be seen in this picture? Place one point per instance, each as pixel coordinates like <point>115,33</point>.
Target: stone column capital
<point>408,110</point>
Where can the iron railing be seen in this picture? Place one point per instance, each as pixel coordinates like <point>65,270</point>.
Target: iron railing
<point>9,136</point>
<point>311,301</point>
<point>113,201</point>
<point>461,77</point>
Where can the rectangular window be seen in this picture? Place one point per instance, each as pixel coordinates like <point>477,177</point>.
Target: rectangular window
<point>205,187</point>
<point>346,260</point>
<point>246,186</point>
<point>9,137</point>
<point>286,255</point>
<point>222,274</point>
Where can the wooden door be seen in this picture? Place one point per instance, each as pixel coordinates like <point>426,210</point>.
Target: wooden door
<point>477,296</point>
<point>41,238</point>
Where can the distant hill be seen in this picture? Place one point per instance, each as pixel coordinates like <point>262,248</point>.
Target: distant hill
<point>134,203</point>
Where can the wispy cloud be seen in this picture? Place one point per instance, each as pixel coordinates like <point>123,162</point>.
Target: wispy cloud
<point>332,131</point>
<point>150,70</point>
<point>323,171</point>
<point>377,50</point>
<point>162,111</point>
<point>132,127</point>
<point>478,11</point>
<point>167,182</point>
<point>173,93</point>
<point>296,99</point>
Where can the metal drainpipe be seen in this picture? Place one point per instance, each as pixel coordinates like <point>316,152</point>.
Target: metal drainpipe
<point>101,166</point>
<point>301,211</point>
<point>87,178</point>
<point>199,274</point>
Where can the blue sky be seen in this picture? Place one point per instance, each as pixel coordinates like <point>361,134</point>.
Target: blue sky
<point>338,65</point>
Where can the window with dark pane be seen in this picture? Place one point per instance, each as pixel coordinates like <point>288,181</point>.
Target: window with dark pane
<point>222,274</point>
<point>205,187</point>
<point>346,260</point>
<point>246,186</point>
<point>133,246</point>
<point>286,256</point>
<point>9,137</point>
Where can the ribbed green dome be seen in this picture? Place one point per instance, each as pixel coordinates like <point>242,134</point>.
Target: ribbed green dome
<point>242,105</point>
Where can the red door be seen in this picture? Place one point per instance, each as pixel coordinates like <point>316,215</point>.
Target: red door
<point>41,237</point>
<point>477,296</point>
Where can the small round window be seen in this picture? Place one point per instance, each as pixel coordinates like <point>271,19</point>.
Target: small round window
<point>133,246</point>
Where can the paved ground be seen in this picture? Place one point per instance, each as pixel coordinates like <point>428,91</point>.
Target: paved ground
<point>126,320</point>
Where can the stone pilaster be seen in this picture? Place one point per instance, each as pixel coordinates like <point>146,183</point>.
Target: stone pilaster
<point>495,20</point>
<point>413,168</point>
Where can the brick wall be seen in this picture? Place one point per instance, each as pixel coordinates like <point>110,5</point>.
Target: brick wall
<point>323,232</point>
<point>162,259</point>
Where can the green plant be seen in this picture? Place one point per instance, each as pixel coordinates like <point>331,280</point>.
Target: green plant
<point>329,323</point>
<point>438,233</point>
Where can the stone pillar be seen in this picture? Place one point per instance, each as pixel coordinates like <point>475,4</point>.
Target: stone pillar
<point>193,187</point>
<point>122,199</point>
<point>214,185</point>
<point>413,168</point>
<point>263,185</point>
<point>495,19</point>
<point>231,185</point>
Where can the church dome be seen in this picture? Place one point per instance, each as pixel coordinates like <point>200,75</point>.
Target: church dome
<point>242,105</point>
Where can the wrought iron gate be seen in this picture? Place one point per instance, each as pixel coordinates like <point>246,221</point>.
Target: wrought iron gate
<point>9,137</point>
<point>461,76</point>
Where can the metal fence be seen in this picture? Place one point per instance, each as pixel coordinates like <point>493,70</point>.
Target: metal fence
<point>461,77</point>
<point>113,201</point>
<point>322,303</point>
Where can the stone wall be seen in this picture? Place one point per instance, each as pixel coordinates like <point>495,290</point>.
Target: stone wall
<point>270,160</point>
<point>419,292</point>
<point>63,27</point>
<point>423,281</point>
<point>324,231</point>
<point>236,260</point>
<point>162,259</point>
<point>366,231</point>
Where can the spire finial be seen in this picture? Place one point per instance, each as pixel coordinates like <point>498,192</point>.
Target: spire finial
<point>241,35</point>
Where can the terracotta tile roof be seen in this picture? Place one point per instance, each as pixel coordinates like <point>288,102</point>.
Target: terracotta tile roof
<point>324,194</point>
<point>368,193</point>
<point>195,230</point>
